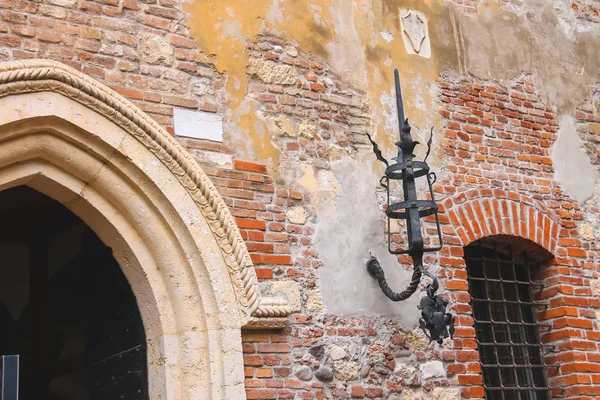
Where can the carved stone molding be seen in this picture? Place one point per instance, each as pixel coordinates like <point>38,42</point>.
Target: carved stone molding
<point>45,75</point>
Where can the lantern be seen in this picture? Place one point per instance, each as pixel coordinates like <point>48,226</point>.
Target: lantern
<point>404,174</point>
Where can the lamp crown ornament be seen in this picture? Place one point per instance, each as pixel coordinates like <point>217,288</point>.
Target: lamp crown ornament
<point>436,323</point>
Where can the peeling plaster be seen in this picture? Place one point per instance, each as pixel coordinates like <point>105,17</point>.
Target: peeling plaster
<point>344,240</point>
<point>363,41</point>
<point>573,168</point>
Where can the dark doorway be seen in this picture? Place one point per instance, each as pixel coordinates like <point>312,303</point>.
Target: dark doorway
<point>65,306</point>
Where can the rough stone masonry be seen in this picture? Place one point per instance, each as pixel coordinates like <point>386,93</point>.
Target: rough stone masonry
<point>512,89</point>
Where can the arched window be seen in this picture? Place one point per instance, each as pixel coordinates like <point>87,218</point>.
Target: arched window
<point>508,335</point>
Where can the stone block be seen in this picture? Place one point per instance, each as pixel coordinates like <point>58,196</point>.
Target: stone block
<point>281,126</point>
<point>289,291</point>
<point>269,72</point>
<point>155,49</point>
<point>417,340</point>
<point>297,215</point>
<point>198,124</point>
<point>346,370</point>
<point>586,231</point>
<point>307,130</point>
<point>219,160</point>
<point>336,352</point>
<point>314,301</point>
<point>304,373</point>
<point>595,285</point>
<point>432,369</point>
<point>435,394</point>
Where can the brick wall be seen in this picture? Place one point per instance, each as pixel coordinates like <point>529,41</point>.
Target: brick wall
<point>497,172</point>
<point>498,179</point>
<point>588,126</point>
<point>314,117</point>
<point>140,49</point>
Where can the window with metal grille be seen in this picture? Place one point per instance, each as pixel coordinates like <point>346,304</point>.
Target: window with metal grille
<point>505,322</point>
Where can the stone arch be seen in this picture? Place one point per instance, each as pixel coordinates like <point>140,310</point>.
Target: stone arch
<point>77,141</point>
<point>479,213</point>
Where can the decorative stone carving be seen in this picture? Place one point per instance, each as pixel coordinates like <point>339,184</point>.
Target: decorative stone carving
<point>73,138</point>
<point>266,323</point>
<point>415,32</point>
<point>31,76</point>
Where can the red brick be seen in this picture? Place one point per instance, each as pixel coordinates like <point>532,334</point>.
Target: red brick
<point>264,273</point>
<point>373,392</point>
<point>244,223</point>
<point>252,394</point>
<point>357,391</point>
<point>130,93</point>
<point>249,166</point>
<point>275,259</point>
<point>255,361</point>
<point>274,348</point>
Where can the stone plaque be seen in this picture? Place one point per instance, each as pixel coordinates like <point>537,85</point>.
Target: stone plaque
<point>415,32</point>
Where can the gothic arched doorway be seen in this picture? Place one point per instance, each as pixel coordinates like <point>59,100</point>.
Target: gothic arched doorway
<point>66,308</point>
<point>75,140</point>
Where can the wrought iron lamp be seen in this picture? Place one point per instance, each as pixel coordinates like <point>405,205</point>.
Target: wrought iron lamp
<point>435,321</point>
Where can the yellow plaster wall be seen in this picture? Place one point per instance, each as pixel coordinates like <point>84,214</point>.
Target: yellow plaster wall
<point>345,34</point>
<point>536,37</point>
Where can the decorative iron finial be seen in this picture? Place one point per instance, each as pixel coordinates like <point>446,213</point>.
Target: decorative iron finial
<point>434,319</point>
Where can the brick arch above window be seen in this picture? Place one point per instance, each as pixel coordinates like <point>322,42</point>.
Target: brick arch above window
<point>479,213</point>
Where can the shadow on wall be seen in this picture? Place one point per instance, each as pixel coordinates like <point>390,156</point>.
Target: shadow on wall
<point>344,239</point>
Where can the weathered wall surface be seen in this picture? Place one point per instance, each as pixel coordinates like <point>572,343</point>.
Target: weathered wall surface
<point>511,88</point>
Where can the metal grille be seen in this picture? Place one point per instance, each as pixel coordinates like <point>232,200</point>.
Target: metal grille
<point>505,322</point>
